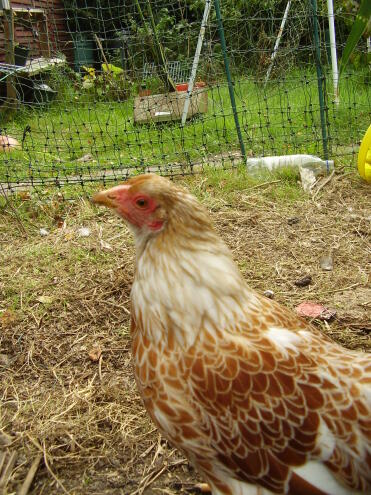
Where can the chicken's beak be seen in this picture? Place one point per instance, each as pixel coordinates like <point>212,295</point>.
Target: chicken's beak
<point>113,198</point>
<point>105,198</point>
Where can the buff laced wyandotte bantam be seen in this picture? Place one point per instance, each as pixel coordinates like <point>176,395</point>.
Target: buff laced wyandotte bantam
<point>258,400</point>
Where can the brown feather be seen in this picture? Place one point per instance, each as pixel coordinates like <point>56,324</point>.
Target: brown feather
<point>299,486</point>
<point>246,389</point>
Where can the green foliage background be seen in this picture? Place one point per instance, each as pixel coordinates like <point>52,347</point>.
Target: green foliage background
<point>249,25</point>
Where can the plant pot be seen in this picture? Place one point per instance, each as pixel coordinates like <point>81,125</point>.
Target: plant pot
<point>184,86</point>
<point>21,55</point>
<point>181,87</point>
<point>84,53</point>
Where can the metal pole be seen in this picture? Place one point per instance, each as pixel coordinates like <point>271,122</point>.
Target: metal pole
<point>229,77</point>
<point>334,60</point>
<point>277,43</point>
<point>320,79</point>
<point>196,60</point>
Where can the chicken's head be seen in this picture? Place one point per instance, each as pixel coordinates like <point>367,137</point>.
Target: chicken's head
<point>151,204</point>
<point>142,201</point>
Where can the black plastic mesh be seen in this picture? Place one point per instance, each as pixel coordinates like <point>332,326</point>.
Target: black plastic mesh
<point>73,110</point>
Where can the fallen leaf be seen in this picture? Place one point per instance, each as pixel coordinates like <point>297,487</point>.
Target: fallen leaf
<point>58,220</point>
<point>24,195</point>
<point>310,309</point>
<point>45,299</point>
<point>95,354</point>
<point>8,318</point>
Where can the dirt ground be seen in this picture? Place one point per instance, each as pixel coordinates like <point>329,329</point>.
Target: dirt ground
<point>68,398</point>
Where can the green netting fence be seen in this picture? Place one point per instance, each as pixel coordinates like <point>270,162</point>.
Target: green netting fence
<point>95,90</point>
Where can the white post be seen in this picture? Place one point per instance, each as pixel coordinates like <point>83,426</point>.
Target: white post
<point>277,43</point>
<point>334,60</point>
<point>4,4</point>
<point>195,61</point>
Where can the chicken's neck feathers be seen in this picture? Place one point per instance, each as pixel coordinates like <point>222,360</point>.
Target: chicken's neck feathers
<point>185,284</point>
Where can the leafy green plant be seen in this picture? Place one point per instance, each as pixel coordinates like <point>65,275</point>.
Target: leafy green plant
<point>110,84</point>
<point>154,84</point>
<point>359,26</point>
<point>167,31</point>
<point>113,70</point>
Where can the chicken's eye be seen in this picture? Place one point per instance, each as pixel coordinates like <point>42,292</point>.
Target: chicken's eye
<point>141,203</point>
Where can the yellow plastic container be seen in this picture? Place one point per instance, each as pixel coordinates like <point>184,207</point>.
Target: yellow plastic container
<point>364,157</point>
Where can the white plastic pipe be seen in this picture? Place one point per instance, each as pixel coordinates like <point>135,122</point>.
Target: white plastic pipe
<point>309,166</point>
<point>334,60</point>
<point>196,60</point>
<point>270,163</point>
<point>277,43</point>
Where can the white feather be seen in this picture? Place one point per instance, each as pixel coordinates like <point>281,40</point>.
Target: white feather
<point>283,337</point>
<point>240,488</point>
<point>321,477</point>
<point>325,440</point>
<point>181,291</point>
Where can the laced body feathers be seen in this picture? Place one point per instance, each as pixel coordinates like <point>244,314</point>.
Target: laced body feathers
<point>250,393</point>
<point>258,400</point>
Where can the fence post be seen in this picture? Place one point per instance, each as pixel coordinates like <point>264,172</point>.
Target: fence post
<point>8,16</point>
<point>320,80</point>
<point>229,78</point>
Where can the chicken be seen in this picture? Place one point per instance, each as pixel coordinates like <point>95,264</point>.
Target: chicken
<point>8,143</point>
<point>258,400</point>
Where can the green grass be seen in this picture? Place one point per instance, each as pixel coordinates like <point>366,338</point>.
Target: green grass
<point>227,186</point>
<point>281,119</point>
<point>214,188</point>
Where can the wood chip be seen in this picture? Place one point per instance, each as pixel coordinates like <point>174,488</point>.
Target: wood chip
<point>95,354</point>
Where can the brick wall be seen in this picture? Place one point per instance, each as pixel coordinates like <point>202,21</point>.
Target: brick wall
<point>26,28</point>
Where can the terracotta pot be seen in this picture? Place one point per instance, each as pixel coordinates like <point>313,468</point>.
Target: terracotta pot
<point>181,87</point>
<point>184,86</point>
<point>145,92</point>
